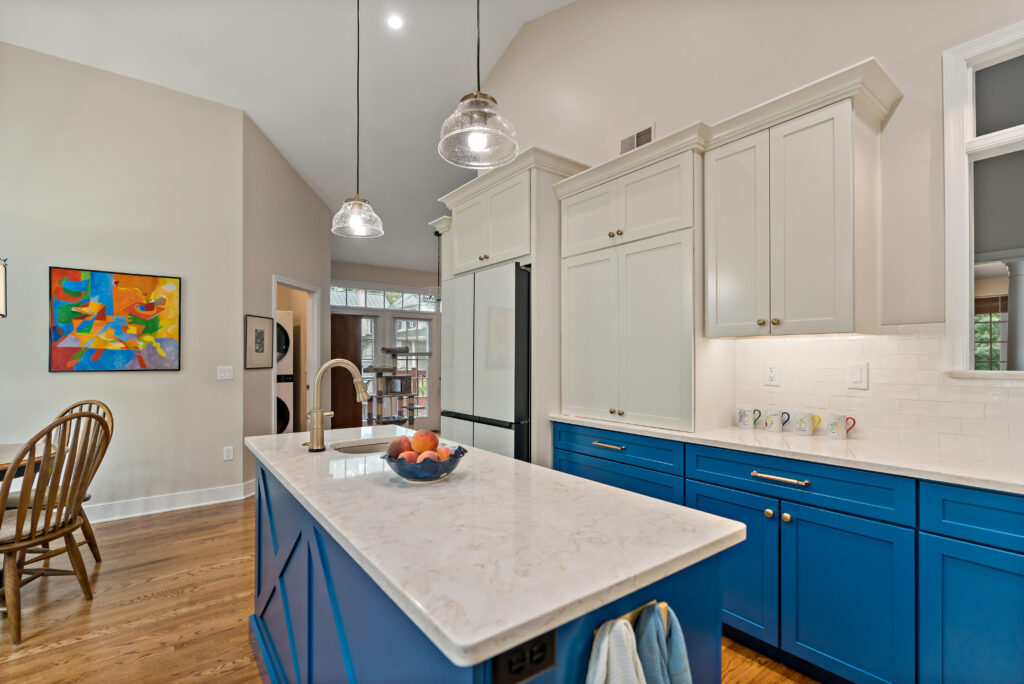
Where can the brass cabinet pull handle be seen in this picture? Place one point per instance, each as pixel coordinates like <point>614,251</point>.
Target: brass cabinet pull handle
<point>787,480</point>
<point>760,321</point>
<point>609,446</point>
<point>768,512</point>
<point>776,321</point>
<point>618,232</point>
<point>611,234</point>
<point>786,517</point>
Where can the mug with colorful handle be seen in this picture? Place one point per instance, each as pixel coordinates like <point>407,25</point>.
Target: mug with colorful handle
<point>807,423</point>
<point>747,417</point>
<point>774,421</point>
<point>839,425</point>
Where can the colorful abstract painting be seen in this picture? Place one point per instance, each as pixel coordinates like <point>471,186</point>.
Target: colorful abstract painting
<point>101,321</point>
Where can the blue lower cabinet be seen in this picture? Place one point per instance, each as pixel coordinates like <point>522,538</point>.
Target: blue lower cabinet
<point>640,480</point>
<point>971,600</point>
<point>847,592</point>
<point>750,570</point>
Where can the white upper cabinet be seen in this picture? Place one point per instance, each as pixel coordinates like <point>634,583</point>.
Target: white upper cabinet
<point>470,234</point>
<point>649,201</point>
<point>736,239</point>
<point>811,187</point>
<point>792,216</point>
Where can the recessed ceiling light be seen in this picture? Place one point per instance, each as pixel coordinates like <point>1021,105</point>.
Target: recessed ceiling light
<point>395,21</point>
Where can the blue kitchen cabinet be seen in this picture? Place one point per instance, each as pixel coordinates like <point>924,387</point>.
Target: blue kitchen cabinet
<point>971,606</point>
<point>640,480</point>
<point>750,570</point>
<point>847,594</point>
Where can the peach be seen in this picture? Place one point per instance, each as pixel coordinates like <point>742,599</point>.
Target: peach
<point>432,455</point>
<point>399,445</point>
<point>410,456</point>
<point>444,453</point>
<point>424,440</point>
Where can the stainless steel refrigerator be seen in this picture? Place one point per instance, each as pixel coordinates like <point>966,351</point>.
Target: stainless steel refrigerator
<point>485,360</point>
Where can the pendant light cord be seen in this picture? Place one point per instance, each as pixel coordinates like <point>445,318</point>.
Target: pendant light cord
<point>358,56</point>
<point>478,46</point>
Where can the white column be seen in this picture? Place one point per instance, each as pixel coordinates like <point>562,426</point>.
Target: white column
<point>1015,329</point>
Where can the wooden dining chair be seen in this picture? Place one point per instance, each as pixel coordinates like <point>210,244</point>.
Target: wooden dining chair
<point>40,554</point>
<point>57,464</point>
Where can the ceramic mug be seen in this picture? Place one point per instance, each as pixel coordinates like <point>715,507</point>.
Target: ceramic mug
<point>747,417</point>
<point>837,425</point>
<point>806,423</point>
<point>774,421</point>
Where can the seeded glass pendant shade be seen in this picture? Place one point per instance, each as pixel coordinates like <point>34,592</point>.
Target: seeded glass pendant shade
<point>356,218</point>
<point>476,136</point>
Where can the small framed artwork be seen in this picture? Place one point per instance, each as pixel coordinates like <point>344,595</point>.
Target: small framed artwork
<point>113,321</point>
<point>259,342</point>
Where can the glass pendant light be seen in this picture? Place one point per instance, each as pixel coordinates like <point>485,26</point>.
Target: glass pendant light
<point>356,218</point>
<point>476,136</point>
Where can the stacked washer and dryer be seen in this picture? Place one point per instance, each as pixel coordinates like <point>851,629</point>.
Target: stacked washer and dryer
<point>285,365</point>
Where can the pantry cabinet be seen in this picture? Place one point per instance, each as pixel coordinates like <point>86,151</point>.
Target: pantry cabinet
<point>627,332</point>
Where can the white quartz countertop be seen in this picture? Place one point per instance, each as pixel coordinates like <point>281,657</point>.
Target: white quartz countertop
<point>502,551</point>
<point>999,473</point>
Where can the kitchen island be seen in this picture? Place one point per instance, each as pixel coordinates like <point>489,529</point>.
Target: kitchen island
<point>503,570</point>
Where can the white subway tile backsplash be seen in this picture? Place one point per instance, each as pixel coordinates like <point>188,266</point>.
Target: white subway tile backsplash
<point>910,400</point>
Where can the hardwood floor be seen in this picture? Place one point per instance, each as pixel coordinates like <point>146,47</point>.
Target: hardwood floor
<point>172,599</point>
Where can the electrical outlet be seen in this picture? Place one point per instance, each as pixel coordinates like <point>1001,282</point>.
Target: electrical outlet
<point>225,372</point>
<point>229,453</point>
<point>525,660</point>
<point>857,375</point>
<point>772,375</point>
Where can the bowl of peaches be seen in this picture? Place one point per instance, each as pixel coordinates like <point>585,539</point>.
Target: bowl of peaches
<point>421,458</point>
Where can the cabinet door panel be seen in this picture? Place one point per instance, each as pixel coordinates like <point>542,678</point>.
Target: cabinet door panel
<point>495,439</point>
<point>588,218</point>
<point>647,482</point>
<point>494,338</point>
<point>457,430</point>
<point>457,345</point>
<point>750,570</point>
<point>971,604</point>
<point>508,219</point>
<point>657,199</point>
<point>812,222</point>
<point>469,235</point>
<point>847,594</point>
<point>736,238</point>
<point>655,328</point>
<point>590,341</point>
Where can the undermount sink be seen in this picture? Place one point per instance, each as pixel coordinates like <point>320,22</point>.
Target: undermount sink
<point>374,448</point>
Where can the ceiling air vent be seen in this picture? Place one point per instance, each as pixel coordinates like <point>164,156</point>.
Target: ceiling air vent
<point>637,139</point>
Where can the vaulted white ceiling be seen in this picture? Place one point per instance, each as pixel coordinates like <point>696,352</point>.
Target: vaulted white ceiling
<point>290,64</point>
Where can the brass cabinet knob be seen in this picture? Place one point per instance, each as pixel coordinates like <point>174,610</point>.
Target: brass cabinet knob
<point>776,321</point>
<point>611,234</point>
<point>611,411</point>
<point>618,232</point>
<point>786,517</point>
<point>760,321</point>
<point>768,512</point>
<point>481,257</point>
<point>487,256</point>
<point>621,412</point>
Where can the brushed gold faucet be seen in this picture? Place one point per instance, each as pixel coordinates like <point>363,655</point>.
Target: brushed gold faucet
<point>316,415</point>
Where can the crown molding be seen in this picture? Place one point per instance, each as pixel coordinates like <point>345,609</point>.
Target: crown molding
<point>693,137</point>
<point>873,91</point>
<point>532,158</point>
<point>441,224</point>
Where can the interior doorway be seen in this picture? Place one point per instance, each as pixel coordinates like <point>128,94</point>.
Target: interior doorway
<point>296,352</point>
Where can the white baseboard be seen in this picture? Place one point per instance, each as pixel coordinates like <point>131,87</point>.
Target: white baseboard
<point>130,508</point>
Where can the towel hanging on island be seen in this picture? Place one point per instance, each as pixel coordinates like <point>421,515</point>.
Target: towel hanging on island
<point>613,657</point>
<point>662,654</point>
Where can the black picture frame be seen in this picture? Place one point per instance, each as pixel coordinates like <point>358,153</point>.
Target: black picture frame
<point>49,319</point>
<point>268,342</point>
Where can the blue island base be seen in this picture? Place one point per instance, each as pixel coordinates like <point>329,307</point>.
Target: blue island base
<point>320,618</point>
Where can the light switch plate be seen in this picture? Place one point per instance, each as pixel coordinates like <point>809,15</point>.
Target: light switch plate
<point>225,372</point>
<point>857,375</point>
<point>229,453</point>
<point>773,374</point>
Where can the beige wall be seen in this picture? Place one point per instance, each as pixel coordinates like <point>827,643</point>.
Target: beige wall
<point>578,80</point>
<point>365,274</point>
<point>105,172</point>
<point>287,232</point>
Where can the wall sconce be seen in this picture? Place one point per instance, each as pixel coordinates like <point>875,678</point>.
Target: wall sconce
<point>3,288</point>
